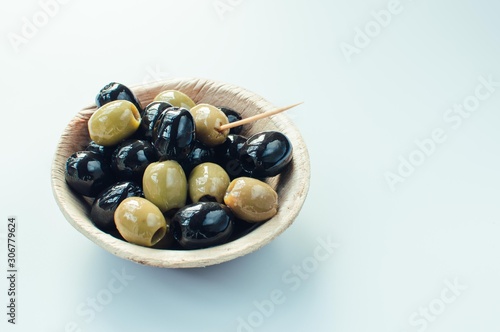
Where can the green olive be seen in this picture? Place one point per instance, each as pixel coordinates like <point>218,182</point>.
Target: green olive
<point>175,98</point>
<point>207,119</point>
<point>251,200</point>
<point>164,183</point>
<point>168,240</point>
<point>208,181</point>
<point>113,122</point>
<point>140,222</point>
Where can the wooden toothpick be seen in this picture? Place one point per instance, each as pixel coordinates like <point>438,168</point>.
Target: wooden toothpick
<point>256,117</point>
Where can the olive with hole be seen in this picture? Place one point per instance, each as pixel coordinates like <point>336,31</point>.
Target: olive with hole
<point>140,222</point>
<point>113,122</point>
<point>175,98</point>
<point>266,154</point>
<point>168,241</point>
<point>116,91</point>
<point>232,116</point>
<point>174,133</point>
<point>131,157</point>
<point>149,117</point>
<point>202,225</point>
<point>104,206</point>
<point>251,199</point>
<point>207,119</point>
<point>165,184</point>
<point>88,173</point>
<point>208,182</point>
<point>228,154</point>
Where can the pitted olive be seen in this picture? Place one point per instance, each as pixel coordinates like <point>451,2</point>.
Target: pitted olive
<point>175,98</point>
<point>251,200</point>
<point>140,222</point>
<point>165,184</point>
<point>208,182</point>
<point>207,120</point>
<point>113,122</point>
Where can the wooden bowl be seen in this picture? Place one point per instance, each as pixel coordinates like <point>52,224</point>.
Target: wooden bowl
<point>292,185</point>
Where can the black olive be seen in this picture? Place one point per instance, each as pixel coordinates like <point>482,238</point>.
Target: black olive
<point>116,91</point>
<point>232,116</point>
<point>202,225</point>
<point>227,155</point>
<point>149,117</point>
<point>131,157</point>
<point>105,204</point>
<point>88,173</point>
<point>266,154</point>
<point>105,151</point>
<point>174,133</point>
<point>199,154</point>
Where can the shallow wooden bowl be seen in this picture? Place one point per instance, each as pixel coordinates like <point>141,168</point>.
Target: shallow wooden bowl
<point>291,186</point>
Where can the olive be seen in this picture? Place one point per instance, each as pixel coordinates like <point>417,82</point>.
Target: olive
<point>105,204</point>
<point>105,151</point>
<point>266,154</point>
<point>131,157</point>
<point>175,98</point>
<point>168,241</point>
<point>207,119</point>
<point>149,117</point>
<point>116,91</point>
<point>198,155</point>
<point>113,122</point>
<point>251,200</point>
<point>164,183</point>
<point>88,173</point>
<point>202,225</point>
<point>140,222</point>
<point>232,116</point>
<point>208,182</point>
<point>174,133</point>
<point>227,155</point>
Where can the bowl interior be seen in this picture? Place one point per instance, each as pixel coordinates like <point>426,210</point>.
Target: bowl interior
<point>291,186</point>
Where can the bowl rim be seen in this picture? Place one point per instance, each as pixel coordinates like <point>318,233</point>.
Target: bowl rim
<point>296,178</point>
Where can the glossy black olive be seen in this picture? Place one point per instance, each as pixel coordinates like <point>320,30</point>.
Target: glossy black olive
<point>149,117</point>
<point>131,157</point>
<point>174,133</point>
<point>199,154</point>
<point>88,173</point>
<point>116,91</point>
<point>266,154</point>
<point>227,155</point>
<point>105,204</point>
<point>202,225</point>
<point>105,151</point>
<point>232,116</point>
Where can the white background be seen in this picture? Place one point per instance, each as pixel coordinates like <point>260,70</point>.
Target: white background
<point>421,254</point>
